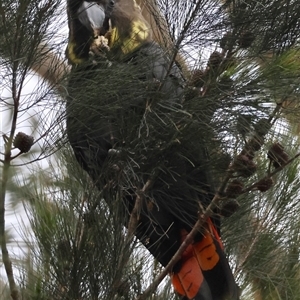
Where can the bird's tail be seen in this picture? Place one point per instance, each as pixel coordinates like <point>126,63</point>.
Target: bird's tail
<point>204,272</point>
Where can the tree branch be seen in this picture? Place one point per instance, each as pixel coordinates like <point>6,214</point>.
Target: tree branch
<point>203,218</point>
<point>5,255</point>
<point>188,240</point>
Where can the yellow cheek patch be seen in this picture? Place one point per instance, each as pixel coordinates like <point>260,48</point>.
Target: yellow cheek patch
<point>139,33</point>
<point>72,56</point>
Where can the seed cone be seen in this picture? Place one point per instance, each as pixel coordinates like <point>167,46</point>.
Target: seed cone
<point>23,142</point>
<point>229,208</point>
<point>234,188</point>
<point>278,155</point>
<point>264,184</point>
<point>244,166</point>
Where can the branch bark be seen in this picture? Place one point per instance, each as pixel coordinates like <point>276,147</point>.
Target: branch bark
<point>5,255</point>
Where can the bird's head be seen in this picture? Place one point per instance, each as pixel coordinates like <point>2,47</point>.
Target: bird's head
<point>120,21</point>
<point>95,15</point>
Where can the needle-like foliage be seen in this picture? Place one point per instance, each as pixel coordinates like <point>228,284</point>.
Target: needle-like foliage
<point>240,106</point>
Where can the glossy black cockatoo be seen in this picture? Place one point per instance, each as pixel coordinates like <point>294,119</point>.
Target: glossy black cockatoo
<point>129,130</point>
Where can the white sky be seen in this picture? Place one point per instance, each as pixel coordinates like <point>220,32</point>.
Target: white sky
<point>32,121</point>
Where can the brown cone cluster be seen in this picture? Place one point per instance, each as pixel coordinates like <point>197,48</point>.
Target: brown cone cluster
<point>264,184</point>
<point>23,142</point>
<point>234,188</point>
<point>277,155</point>
<point>244,166</point>
<point>229,208</point>
<point>255,143</point>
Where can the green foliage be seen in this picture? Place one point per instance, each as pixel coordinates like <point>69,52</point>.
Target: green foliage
<point>80,249</point>
<point>77,246</point>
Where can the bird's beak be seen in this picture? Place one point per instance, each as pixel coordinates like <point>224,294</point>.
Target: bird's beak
<point>92,16</point>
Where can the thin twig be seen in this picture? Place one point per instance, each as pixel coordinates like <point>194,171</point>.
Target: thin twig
<point>277,170</point>
<point>5,177</point>
<point>248,252</point>
<point>188,240</point>
<point>135,214</point>
<point>181,37</point>
<point>5,255</point>
<point>132,225</point>
<point>203,218</point>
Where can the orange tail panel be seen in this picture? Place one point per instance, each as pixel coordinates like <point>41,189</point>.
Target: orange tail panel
<point>199,259</point>
<point>206,252</point>
<point>187,282</point>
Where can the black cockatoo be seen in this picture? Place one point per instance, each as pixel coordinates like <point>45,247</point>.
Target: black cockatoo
<point>126,125</point>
